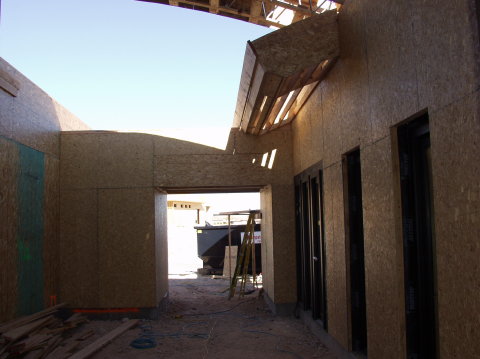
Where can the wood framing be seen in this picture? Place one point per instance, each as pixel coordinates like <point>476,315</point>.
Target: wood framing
<point>281,70</point>
<point>269,13</point>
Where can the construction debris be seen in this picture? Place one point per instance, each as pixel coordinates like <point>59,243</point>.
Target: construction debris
<point>44,336</point>
<point>107,338</point>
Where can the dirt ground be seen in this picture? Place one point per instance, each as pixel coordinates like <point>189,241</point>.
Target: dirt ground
<point>200,322</point>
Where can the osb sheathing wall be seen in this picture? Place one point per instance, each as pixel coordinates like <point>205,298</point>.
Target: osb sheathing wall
<point>399,58</point>
<point>30,123</point>
<point>93,163</point>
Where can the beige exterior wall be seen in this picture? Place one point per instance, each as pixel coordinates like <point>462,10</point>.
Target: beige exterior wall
<point>32,119</point>
<point>399,58</point>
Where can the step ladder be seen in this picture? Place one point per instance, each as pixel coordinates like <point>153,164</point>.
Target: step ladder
<point>247,254</point>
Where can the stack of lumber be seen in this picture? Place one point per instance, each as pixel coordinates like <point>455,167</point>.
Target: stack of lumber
<point>44,336</point>
<point>36,336</point>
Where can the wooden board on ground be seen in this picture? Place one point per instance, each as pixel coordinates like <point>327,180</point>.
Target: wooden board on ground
<point>4,327</point>
<point>22,331</point>
<point>230,264</point>
<point>101,342</point>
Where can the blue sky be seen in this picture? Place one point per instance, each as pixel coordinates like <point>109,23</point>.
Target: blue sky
<point>126,64</point>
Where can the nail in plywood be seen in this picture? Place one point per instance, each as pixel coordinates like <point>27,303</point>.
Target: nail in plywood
<point>278,66</point>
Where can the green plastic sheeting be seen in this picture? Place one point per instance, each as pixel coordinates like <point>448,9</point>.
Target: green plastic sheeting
<point>30,198</point>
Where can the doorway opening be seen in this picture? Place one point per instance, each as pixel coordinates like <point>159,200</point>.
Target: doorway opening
<point>355,251</point>
<point>198,230</point>
<point>310,241</point>
<point>418,238</point>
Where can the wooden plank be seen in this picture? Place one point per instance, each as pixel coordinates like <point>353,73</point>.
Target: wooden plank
<point>101,342</point>
<point>255,11</point>
<point>30,343</point>
<point>295,8</point>
<point>230,261</point>
<point>254,99</point>
<point>17,333</point>
<point>29,318</point>
<point>270,87</point>
<point>52,344</point>
<point>248,71</point>
<point>65,350</point>
<point>8,83</point>
<point>214,5</point>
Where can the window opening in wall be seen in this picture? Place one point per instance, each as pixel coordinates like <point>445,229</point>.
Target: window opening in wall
<point>311,267</point>
<point>418,244</point>
<point>355,251</point>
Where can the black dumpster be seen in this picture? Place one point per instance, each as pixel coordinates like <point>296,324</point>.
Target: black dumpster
<point>211,243</point>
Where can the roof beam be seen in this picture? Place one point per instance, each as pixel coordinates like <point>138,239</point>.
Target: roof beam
<point>278,66</point>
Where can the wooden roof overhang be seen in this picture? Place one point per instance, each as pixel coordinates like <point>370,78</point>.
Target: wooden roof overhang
<point>281,70</point>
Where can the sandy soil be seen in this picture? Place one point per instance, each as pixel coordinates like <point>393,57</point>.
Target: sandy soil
<point>201,322</point>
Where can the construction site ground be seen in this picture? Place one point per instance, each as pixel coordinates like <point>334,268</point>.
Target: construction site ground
<point>200,322</point>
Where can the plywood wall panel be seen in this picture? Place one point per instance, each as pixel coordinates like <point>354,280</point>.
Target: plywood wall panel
<point>51,228</point>
<point>268,258</point>
<point>456,186</point>
<point>446,41</point>
<point>67,121</point>
<point>8,225</point>
<point>383,263</point>
<point>335,231</point>
<point>33,118</point>
<point>106,160</point>
<point>283,216</point>
<point>164,145</point>
<point>6,106</point>
<point>307,136</point>
<point>79,267</point>
<point>199,170</point>
<point>331,107</point>
<point>391,76</point>
<point>126,248</point>
<point>354,92</point>
<point>28,130</point>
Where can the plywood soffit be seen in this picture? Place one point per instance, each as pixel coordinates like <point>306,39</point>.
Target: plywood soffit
<point>281,70</point>
<point>269,13</point>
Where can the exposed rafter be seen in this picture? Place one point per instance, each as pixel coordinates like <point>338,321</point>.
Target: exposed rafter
<point>269,13</point>
<point>281,70</point>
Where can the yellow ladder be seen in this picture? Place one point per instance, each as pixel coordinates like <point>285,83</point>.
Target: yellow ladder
<point>247,251</point>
